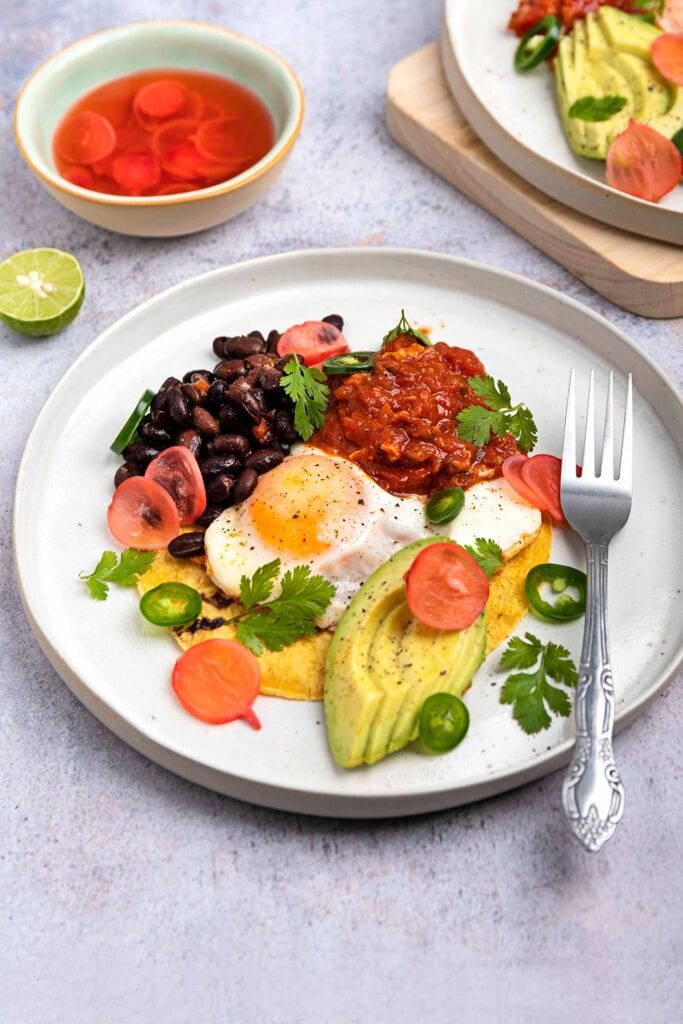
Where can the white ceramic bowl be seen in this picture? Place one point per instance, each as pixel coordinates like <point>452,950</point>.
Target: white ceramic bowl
<point>98,58</point>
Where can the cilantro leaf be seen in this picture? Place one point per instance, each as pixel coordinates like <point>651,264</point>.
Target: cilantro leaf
<point>309,392</point>
<point>487,553</point>
<point>123,572</point>
<point>291,615</point>
<point>478,423</point>
<point>530,693</point>
<point>259,588</point>
<point>403,327</point>
<point>597,108</point>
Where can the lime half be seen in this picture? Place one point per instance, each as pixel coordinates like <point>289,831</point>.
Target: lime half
<point>41,291</point>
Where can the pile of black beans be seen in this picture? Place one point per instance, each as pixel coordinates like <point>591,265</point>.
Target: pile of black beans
<point>236,419</point>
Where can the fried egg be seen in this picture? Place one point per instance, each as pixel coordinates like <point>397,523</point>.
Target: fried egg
<point>324,511</point>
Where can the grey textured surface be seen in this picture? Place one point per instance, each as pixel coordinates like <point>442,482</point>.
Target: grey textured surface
<point>130,895</point>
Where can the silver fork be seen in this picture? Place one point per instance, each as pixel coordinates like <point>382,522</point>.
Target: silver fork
<point>597,505</point>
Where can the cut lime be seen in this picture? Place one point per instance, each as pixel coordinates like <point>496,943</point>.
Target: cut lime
<point>41,291</point>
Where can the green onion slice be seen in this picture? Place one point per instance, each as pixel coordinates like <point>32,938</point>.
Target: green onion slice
<point>171,604</point>
<point>350,362</point>
<point>565,608</point>
<point>538,43</point>
<point>129,428</point>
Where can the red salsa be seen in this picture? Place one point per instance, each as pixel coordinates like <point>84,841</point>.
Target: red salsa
<point>156,133</point>
<point>399,421</point>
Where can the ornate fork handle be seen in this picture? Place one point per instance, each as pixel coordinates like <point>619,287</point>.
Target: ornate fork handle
<point>592,793</point>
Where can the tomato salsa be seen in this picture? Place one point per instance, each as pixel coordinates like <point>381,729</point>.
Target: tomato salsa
<point>162,132</point>
<point>530,12</point>
<point>399,421</point>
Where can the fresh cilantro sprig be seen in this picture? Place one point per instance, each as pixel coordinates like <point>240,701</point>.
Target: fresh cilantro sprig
<point>531,695</point>
<point>597,108</point>
<point>309,392</point>
<point>110,570</point>
<point>477,423</point>
<point>291,615</point>
<point>487,553</point>
<point>403,327</point>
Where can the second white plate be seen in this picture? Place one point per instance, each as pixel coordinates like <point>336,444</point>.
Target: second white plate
<point>516,116</point>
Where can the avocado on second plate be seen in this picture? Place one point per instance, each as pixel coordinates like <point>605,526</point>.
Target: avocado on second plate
<point>608,54</point>
<point>382,665</point>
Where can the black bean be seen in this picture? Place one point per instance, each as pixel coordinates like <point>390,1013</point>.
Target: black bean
<point>210,513</point>
<point>191,394</point>
<point>246,482</point>
<point>271,343</point>
<point>125,472</point>
<point>230,369</point>
<point>140,453</point>
<point>219,464</point>
<point>189,438</point>
<point>229,418</point>
<point>281,363</point>
<point>259,359</point>
<point>284,446</point>
<point>269,378</point>
<point>177,406</point>
<point>145,421</point>
<point>246,398</point>
<point>256,334</point>
<point>218,488</point>
<point>219,346</point>
<point>252,377</point>
<point>215,395</point>
<point>187,545</point>
<point>192,376</point>
<point>233,444</point>
<point>170,382</point>
<point>165,422</point>
<point>263,460</point>
<point>155,435</point>
<point>283,425</point>
<point>240,347</point>
<point>334,319</point>
<point>205,423</point>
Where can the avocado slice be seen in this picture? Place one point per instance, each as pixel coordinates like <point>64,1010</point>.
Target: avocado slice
<point>608,54</point>
<point>382,665</point>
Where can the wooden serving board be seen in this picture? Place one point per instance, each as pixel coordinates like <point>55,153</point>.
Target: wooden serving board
<point>642,276</point>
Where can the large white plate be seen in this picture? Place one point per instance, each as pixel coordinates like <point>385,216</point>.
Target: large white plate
<point>516,116</point>
<point>119,666</point>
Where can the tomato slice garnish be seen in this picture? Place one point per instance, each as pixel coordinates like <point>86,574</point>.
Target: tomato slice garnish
<point>315,340</point>
<point>445,587</point>
<point>136,171</point>
<point>142,515</point>
<point>160,99</point>
<point>217,681</point>
<point>643,163</point>
<point>667,56</point>
<point>85,138</point>
<point>81,176</point>
<point>176,470</point>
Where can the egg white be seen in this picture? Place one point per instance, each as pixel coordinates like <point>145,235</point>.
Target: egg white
<point>324,511</point>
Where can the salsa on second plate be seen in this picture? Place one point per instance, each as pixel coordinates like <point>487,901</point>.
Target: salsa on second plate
<point>162,132</point>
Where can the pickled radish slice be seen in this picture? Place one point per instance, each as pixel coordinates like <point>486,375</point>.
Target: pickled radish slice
<point>182,160</point>
<point>671,18</point>
<point>80,176</point>
<point>315,340</point>
<point>177,471</point>
<point>142,515</point>
<point>193,107</point>
<point>512,472</point>
<point>446,588</point>
<point>217,681</point>
<point>542,473</point>
<point>136,171</point>
<point>667,56</point>
<point>643,163</point>
<point>160,99</point>
<point>174,133</point>
<point>85,137</point>
<point>176,187</point>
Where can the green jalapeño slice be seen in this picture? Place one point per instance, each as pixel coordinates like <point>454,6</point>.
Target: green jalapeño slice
<point>538,43</point>
<point>444,721</point>
<point>171,604</point>
<point>566,607</point>
<point>350,362</point>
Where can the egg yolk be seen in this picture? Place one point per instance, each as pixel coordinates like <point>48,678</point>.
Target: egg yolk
<point>296,511</point>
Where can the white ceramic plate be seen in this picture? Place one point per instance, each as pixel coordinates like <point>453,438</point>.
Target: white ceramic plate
<point>119,666</point>
<point>516,116</point>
